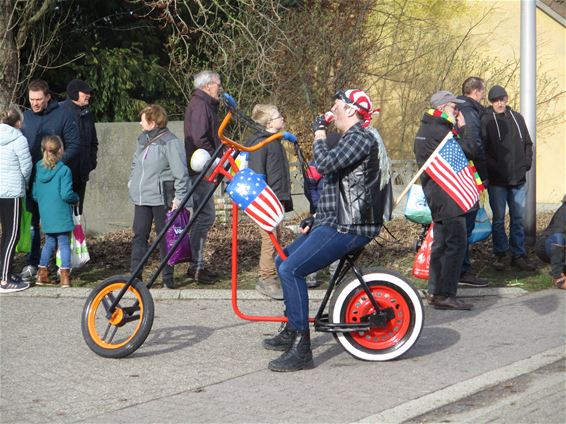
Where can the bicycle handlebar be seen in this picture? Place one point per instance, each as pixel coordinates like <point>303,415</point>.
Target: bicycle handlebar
<point>233,108</point>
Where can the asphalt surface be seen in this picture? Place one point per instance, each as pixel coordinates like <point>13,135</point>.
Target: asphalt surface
<point>501,362</point>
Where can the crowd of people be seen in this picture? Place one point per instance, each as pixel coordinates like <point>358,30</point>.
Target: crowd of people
<point>48,152</point>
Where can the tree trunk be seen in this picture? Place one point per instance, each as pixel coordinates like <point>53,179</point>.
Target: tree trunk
<point>8,54</point>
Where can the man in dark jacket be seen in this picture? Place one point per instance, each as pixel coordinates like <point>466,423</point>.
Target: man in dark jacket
<point>509,154</point>
<point>46,117</point>
<point>450,240</point>
<point>473,91</point>
<point>201,132</point>
<point>79,94</point>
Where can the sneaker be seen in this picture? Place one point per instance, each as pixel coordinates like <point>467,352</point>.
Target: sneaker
<point>13,286</point>
<point>270,288</point>
<point>470,280</point>
<point>498,263</point>
<point>28,273</point>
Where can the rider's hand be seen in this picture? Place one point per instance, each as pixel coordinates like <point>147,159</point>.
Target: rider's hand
<point>174,204</point>
<point>306,224</point>
<point>319,124</point>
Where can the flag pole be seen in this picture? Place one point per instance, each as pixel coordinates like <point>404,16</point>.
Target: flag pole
<point>421,170</point>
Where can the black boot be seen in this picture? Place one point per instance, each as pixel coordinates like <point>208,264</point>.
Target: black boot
<point>298,357</point>
<point>281,341</point>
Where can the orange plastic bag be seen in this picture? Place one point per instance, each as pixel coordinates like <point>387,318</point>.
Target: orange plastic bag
<point>422,259</point>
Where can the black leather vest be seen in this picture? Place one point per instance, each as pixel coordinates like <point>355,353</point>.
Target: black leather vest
<point>360,199</point>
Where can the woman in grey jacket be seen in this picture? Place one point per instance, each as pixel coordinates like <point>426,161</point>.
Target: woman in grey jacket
<point>16,166</point>
<point>158,182</point>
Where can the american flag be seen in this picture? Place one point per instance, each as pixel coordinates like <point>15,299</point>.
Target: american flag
<point>451,170</point>
<point>250,192</point>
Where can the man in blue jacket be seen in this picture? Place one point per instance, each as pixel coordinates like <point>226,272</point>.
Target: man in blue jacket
<point>79,94</point>
<point>46,117</point>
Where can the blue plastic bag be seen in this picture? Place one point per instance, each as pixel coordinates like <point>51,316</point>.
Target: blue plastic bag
<point>482,230</point>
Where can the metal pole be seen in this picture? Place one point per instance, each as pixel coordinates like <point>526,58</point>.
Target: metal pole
<point>528,106</point>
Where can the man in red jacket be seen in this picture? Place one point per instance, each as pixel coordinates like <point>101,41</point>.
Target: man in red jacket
<point>201,132</point>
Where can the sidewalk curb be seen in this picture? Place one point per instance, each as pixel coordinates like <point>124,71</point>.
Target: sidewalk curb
<point>416,407</point>
<point>214,294</point>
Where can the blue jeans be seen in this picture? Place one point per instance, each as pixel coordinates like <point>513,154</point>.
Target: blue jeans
<point>515,198</point>
<point>470,225</point>
<point>309,253</point>
<point>51,242</point>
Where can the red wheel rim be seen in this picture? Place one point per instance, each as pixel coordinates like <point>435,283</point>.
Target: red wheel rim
<point>396,329</point>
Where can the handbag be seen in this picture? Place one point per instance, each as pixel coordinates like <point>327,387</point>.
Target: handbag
<point>482,228</point>
<point>79,249</point>
<point>183,251</point>
<point>421,263</point>
<point>416,209</point>
<point>24,241</point>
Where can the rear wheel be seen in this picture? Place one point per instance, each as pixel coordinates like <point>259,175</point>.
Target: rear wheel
<point>122,332</point>
<point>350,304</point>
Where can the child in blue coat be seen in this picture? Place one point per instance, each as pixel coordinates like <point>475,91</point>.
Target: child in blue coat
<point>53,191</point>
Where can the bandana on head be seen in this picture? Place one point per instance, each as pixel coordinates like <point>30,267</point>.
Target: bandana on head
<point>360,101</point>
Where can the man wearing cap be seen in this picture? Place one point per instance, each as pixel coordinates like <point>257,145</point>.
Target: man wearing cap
<point>350,212</point>
<point>78,100</point>
<point>509,154</point>
<point>450,235</point>
<point>45,117</point>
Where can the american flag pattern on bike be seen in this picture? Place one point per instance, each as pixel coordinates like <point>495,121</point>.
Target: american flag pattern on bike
<point>249,191</point>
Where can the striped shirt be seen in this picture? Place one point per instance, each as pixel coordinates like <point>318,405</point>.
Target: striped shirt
<point>353,147</point>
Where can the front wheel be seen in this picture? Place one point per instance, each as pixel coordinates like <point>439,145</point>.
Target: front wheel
<point>350,304</point>
<point>122,332</point>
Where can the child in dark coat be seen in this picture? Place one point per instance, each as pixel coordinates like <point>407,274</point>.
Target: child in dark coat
<point>53,191</point>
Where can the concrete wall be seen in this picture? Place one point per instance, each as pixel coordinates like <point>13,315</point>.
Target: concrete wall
<point>108,208</point>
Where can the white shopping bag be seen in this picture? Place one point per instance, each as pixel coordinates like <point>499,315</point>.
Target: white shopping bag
<point>79,250</point>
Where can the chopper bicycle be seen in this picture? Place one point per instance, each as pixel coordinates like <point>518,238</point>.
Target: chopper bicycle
<point>376,316</point>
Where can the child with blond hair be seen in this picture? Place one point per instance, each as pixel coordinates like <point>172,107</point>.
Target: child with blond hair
<point>53,191</point>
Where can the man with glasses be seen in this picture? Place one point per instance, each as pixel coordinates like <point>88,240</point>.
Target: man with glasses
<point>450,235</point>
<point>201,132</point>
<point>509,154</point>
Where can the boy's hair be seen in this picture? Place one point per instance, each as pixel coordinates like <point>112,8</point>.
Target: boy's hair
<point>51,146</point>
<point>262,113</point>
<point>11,116</point>
<point>155,113</point>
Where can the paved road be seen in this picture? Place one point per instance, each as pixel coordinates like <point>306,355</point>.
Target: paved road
<point>202,364</point>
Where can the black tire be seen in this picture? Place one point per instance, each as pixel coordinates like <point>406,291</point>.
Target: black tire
<point>390,290</point>
<point>113,337</point>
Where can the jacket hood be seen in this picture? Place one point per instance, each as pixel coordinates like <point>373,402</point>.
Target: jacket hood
<point>45,174</point>
<point>8,134</point>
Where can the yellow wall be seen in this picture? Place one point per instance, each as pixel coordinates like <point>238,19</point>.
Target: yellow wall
<point>500,34</point>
